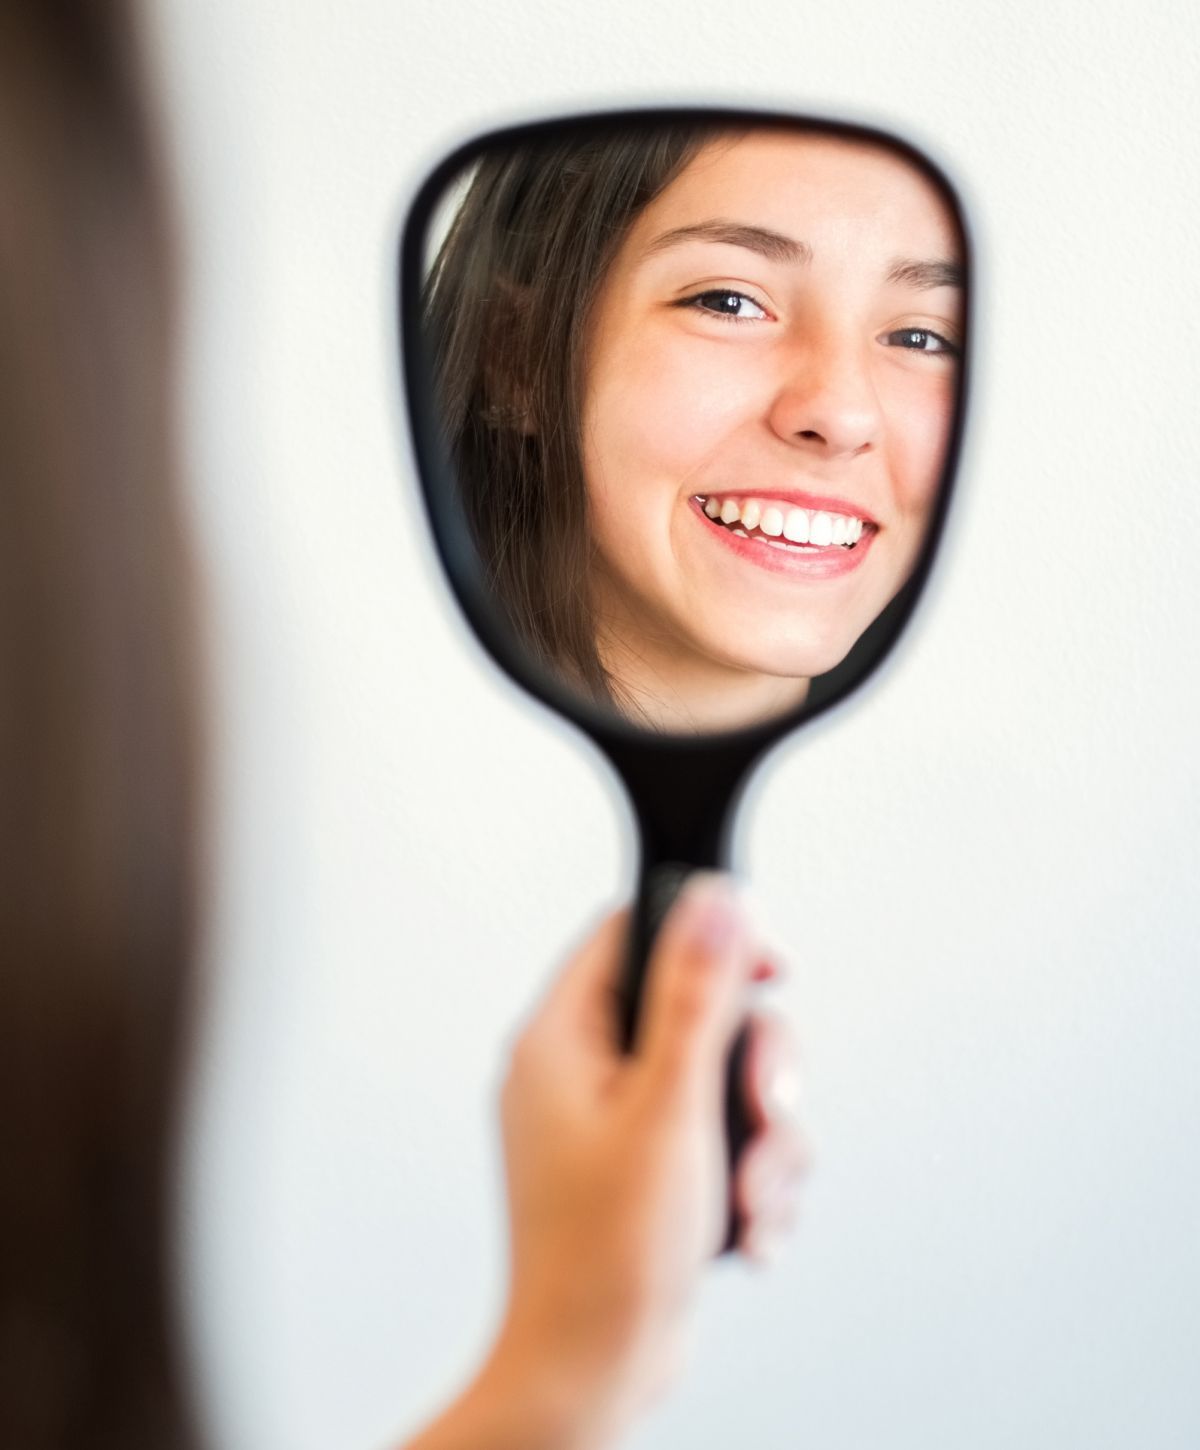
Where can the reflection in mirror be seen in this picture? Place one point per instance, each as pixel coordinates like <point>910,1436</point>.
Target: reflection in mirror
<point>697,383</point>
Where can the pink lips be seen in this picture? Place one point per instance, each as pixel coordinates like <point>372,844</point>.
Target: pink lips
<point>813,562</point>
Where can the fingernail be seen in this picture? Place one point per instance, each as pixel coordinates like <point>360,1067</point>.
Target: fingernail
<point>782,1096</point>
<point>769,943</point>
<point>712,917</point>
<point>769,967</point>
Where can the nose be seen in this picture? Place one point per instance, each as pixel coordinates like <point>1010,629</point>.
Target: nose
<point>826,400</point>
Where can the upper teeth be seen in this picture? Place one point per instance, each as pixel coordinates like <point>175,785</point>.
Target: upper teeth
<point>801,526</point>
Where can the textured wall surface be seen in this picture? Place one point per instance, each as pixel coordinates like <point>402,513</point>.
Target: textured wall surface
<point>986,866</point>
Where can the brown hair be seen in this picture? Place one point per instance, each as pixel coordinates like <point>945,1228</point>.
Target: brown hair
<point>507,307</point>
<point>97,743</point>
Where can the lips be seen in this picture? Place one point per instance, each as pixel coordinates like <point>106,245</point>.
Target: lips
<point>806,540</point>
<point>770,519</point>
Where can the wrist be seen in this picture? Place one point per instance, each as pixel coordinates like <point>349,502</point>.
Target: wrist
<point>565,1398</point>
<point>515,1402</point>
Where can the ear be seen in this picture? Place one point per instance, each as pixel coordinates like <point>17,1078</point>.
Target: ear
<point>507,361</point>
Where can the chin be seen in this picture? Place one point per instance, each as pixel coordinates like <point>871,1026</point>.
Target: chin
<point>793,658</point>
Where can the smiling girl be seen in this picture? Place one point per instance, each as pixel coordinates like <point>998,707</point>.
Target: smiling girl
<point>699,386</point>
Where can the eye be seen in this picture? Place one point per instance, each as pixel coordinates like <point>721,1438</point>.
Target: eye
<point>723,302</point>
<point>920,339</point>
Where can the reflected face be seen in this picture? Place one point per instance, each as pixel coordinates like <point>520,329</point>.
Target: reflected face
<point>770,383</point>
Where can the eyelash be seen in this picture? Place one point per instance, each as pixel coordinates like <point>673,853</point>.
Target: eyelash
<point>697,300</point>
<point>944,348</point>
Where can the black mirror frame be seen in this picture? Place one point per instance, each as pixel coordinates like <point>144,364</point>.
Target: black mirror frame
<point>450,531</point>
<point>683,788</point>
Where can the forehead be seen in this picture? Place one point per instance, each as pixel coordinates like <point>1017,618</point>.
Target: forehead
<point>830,192</point>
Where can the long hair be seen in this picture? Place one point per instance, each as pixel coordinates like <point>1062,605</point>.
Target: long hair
<point>508,304</point>
<point>98,749</point>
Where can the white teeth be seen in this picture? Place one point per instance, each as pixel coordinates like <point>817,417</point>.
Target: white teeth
<point>771,522</point>
<point>796,526</point>
<point>821,530</point>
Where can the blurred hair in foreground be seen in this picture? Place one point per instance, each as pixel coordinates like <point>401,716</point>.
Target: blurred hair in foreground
<point>98,748</point>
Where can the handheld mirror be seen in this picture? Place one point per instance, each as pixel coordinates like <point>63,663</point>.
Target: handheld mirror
<point>686,390</point>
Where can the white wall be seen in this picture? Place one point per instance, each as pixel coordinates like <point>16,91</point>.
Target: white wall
<point>987,867</point>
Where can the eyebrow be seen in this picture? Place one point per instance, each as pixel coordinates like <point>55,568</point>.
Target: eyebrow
<point>927,275</point>
<point>772,245</point>
<point>907,272</point>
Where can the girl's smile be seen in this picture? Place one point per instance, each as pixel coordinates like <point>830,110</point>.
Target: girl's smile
<point>819,537</point>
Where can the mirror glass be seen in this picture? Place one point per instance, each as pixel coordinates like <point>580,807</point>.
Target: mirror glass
<point>696,386</point>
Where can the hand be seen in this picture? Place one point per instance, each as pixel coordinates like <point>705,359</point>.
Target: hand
<point>617,1176</point>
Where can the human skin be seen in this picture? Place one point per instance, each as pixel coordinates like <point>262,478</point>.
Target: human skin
<point>782,324</point>
<point>617,1179</point>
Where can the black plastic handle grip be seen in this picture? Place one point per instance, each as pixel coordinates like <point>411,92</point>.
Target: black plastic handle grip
<point>659,886</point>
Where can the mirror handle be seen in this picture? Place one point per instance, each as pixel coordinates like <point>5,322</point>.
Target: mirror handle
<point>659,885</point>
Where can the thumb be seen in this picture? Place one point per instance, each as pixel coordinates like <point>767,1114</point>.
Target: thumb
<point>698,972</point>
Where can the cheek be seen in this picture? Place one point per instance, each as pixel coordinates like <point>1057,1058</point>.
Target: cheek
<point>919,430</point>
<point>655,413</point>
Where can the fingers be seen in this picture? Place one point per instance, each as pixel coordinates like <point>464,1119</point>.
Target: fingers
<point>701,964</point>
<point>575,1020</point>
<point>770,1175</point>
<point>774,1164</point>
<point>771,1082</point>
